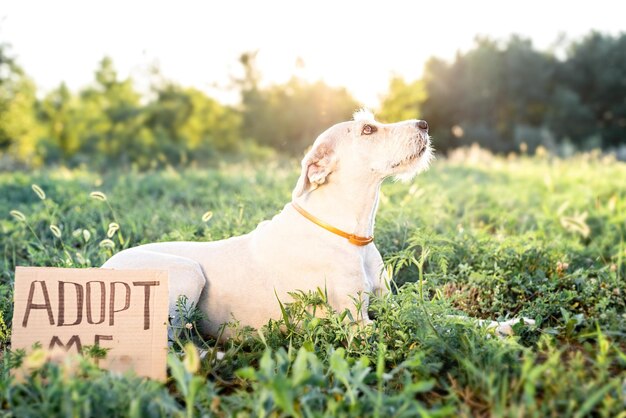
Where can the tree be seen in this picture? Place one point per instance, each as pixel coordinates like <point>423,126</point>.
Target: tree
<point>403,100</point>
<point>20,130</point>
<point>289,116</point>
<point>59,113</point>
<point>591,99</point>
<point>489,94</point>
<point>112,115</point>
<point>211,124</point>
<point>186,122</point>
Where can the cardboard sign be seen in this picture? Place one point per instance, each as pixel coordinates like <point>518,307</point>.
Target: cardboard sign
<point>123,310</point>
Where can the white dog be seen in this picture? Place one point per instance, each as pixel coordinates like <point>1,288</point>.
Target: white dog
<point>321,239</point>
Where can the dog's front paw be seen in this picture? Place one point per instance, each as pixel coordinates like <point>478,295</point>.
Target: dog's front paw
<point>505,329</point>
<point>364,323</point>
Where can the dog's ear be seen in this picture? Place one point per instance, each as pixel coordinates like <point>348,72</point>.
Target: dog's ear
<point>316,166</point>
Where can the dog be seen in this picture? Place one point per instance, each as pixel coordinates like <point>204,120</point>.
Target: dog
<point>322,239</point>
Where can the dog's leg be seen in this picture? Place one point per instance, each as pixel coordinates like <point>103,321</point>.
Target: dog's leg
<point>376,272</point>
<point>502,329</point>
<point>186,278</point>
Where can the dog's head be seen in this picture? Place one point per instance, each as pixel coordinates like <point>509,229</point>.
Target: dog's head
<point>366,150</point>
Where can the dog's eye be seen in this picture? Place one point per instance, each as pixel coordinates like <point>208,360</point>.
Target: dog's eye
<point>368,130</point>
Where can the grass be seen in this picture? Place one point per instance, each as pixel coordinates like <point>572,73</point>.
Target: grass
<point>478,235</point>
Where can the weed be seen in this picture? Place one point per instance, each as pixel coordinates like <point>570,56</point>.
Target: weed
<point>538,238</point>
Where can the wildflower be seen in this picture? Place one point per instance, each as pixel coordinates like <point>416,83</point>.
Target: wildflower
<point>576,223</point>
<point>113,228</point>
<point>55,231</point>
<point>86,235</point>
<point>561,267</point>
<point>215,404</point>
<point>207,216</point>
<point>192,358</point>
<point>189,325</point>
<point>39,191</point>
<point>36,359</point>
<point>523,147</point>
<point>98,196</point>
<point>541,151</point>
<point>18,215</point>
<point>80,258</point>
<point>107,243</point>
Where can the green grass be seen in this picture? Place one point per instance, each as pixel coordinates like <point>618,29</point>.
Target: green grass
<point>489,237</point>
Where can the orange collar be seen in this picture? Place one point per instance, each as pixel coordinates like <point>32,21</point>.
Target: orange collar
<point>354,239</point>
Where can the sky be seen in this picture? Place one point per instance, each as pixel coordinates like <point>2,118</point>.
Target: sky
<point>358,45</point>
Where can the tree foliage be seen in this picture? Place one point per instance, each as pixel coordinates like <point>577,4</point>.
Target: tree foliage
<point>403,100</point>
<point>19,129</point>
<point>593,95</point>
<point>500,94</point>
<point>110,123</point>
<point>289,116</point>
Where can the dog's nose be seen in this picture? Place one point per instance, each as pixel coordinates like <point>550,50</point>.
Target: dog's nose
<point>422,125</point>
